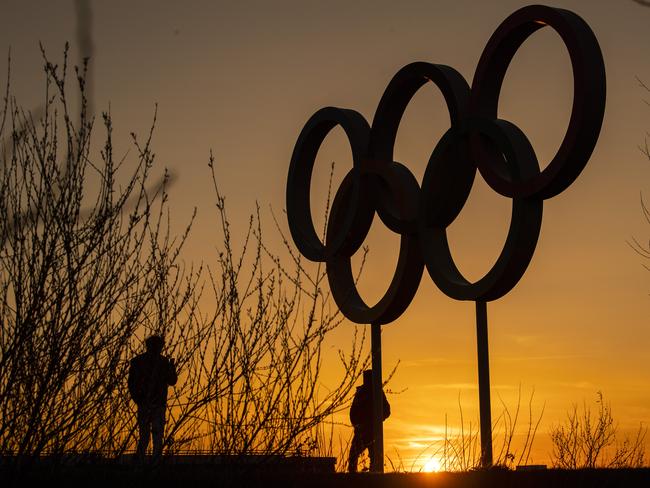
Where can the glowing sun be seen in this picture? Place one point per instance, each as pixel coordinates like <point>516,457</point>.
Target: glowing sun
<point>432,466</point>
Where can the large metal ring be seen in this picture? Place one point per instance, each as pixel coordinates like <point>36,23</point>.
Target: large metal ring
<point>400,186</point>
<point>398,94</point>
<point>358,213</point>
<point>588,97</point>
<point>504,140</point>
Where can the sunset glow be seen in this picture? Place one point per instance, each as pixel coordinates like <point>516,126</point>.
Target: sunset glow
<point>433,465</point>
<point>242,78</point>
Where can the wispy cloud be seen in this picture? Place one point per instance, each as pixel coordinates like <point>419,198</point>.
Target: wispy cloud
<point>549,357</point>
<point>464,386</point>
<point>437,361</point>
<point>449,386</point>
<point>580,385</point>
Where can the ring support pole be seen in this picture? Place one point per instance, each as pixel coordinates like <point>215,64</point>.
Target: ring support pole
<point>377,461</point>
<point>484,384</point>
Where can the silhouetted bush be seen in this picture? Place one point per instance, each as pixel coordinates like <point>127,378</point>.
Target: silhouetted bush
<point>89,267</point>
<point>460,450</point>
<point>587,440</point>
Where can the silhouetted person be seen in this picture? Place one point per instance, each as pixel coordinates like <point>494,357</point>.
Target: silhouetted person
<point>149,376</point>
<point>361,418</point>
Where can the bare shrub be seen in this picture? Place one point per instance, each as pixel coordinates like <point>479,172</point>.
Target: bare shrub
<point>459,449</point>
<point>261,365</point>
<point>76,281</point>
<point>589,440</point>
<point>86,275</point>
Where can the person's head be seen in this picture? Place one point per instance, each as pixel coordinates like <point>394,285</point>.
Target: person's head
<point>154,344</point>
<point>367,377</point>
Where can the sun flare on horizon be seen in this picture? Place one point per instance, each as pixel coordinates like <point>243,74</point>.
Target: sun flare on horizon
<point>433,465</point>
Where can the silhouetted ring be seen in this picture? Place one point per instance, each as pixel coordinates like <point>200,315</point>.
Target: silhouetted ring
<point>390,110</point>
<point>588,97</point>
<point>398,94</point>
<point>402,188</point>
<point>503,140</point>
<point>476,139</point>
<point>358,215</point>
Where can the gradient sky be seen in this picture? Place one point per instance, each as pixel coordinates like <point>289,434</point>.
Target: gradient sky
<point>243,77</point>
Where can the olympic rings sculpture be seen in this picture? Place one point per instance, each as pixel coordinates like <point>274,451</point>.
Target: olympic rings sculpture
<point>476,140</point>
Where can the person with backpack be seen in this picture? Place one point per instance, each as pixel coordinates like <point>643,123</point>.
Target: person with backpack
<point>361,419</point>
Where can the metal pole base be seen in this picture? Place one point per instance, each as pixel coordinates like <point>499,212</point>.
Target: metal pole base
<point>377,461</point>
<point>484,384</point>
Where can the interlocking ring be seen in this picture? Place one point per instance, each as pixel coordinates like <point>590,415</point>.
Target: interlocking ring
<point>476,139</point>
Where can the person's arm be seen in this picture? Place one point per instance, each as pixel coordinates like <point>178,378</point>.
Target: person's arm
<point>355,410</point>
<point>172,377</point>
<point>133,383</point>
<point>386,407</point>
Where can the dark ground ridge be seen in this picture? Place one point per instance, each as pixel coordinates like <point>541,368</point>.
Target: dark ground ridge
<point>270,474</point>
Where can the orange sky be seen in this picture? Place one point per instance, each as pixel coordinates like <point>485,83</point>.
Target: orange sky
<point>243,77</point>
